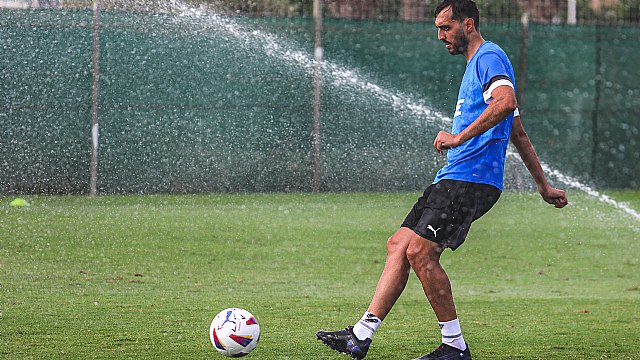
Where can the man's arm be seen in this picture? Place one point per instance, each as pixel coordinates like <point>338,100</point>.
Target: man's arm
<point>525,148</point>
<point>502,104</point>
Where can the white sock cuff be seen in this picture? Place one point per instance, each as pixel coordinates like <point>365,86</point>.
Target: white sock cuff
<point>452,334</point>
<point>450,328</point>
<point>366,326</point>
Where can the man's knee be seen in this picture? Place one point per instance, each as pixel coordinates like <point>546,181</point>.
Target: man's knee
<point>422,252</point>
<point>395,245</point>
<point>398,242</point>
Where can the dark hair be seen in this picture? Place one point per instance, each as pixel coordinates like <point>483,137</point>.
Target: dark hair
<point>461,9</point>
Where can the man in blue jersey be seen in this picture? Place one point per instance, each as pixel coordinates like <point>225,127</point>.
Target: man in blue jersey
<point>485,119</point>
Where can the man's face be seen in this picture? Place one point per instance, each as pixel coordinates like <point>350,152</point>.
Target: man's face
<point>451,32</point>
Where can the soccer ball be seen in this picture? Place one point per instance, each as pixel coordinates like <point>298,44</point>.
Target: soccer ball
<point>234,332</point>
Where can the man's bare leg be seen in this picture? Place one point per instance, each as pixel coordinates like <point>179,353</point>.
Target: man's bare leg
<point>424,258</point>
<point>395,274</point>
<point>355,340</point>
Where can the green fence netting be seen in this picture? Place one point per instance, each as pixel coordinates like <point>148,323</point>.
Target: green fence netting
<point>203,102</point>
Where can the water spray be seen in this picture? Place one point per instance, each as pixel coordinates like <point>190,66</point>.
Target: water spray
<point>341,76</point>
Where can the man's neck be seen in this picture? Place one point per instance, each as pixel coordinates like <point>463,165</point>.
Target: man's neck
<point>474,44</point>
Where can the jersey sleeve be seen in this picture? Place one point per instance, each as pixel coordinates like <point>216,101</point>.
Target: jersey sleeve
<point>492,72</point>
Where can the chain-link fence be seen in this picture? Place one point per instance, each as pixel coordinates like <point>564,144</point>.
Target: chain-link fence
<point>218,96</point>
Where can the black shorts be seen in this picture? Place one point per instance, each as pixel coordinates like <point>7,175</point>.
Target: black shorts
<point>444,213</point>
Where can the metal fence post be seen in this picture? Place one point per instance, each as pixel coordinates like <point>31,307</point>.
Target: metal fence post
<point>596,101</point>
<point>95,97</point>
<point>317,92</point>
<point>524,53</point>
<point>572,18</point>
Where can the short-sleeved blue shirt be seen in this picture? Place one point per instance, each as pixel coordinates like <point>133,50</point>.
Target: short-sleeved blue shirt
<point>481,158</point>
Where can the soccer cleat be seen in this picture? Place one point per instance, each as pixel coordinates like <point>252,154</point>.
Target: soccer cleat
<point>345,341</point>
<point>446,352</point>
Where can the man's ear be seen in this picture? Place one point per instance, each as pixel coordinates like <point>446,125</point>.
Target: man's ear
<point>469,25</point>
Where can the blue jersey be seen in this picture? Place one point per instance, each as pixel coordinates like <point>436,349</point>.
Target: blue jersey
<point>481,158</point>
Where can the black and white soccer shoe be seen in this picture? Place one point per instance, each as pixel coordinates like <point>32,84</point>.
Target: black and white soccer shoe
<point>346,342</point>
<point>446,352</point>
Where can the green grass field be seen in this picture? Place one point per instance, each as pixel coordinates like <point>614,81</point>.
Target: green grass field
<point>140,277</point>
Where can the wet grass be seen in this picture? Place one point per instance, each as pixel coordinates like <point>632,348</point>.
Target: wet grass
<point>120,277</point>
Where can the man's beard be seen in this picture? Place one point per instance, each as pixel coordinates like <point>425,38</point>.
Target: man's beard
<point>459,44</point>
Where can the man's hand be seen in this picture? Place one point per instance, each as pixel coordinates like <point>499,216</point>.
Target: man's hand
<point>445,141</point>
<point>555,197</point>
